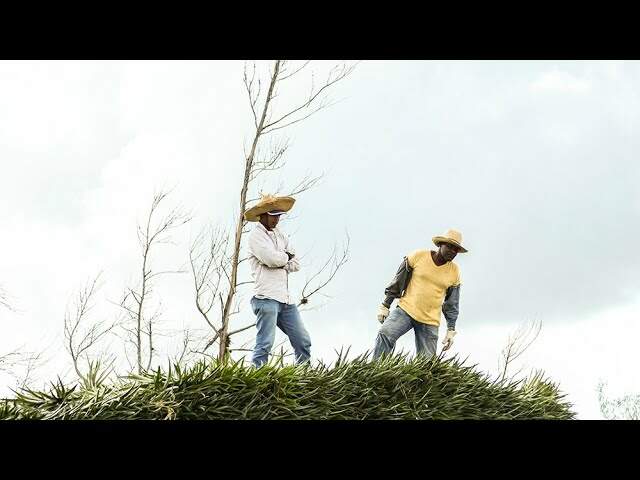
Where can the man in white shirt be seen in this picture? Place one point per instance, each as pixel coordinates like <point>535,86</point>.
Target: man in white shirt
<point>272,259</point>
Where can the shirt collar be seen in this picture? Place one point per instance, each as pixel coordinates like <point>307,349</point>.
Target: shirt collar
<point>262,228</point>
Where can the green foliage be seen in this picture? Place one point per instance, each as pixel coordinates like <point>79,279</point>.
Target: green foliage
<point>394,387</point>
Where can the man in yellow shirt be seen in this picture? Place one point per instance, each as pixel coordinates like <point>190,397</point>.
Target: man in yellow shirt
<point>426,283</point>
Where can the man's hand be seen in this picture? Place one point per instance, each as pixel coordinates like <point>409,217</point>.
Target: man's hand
<point>383,313</point>
<point>448,340</point>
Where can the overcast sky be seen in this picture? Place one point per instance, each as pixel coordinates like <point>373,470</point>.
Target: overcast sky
<point>534,162</point>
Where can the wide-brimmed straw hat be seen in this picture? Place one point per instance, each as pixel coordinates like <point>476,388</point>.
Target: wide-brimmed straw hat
<point>269,204</point>
<point>451,236</point>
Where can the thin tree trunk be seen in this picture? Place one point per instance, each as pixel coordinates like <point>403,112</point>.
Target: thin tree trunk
<point>139,326</point>
<point>224,347</point>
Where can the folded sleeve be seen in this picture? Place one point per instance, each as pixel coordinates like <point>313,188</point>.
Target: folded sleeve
<point>399,283</point>
<point>451,306</point>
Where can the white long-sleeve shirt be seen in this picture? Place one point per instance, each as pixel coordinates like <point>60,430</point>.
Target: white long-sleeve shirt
<point>270,264</point>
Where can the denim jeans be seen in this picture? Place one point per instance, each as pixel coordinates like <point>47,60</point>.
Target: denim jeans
<point>397,324</point>
<point>271,313</point>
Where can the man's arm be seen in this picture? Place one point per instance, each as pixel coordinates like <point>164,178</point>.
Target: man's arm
<point>293,265</point>
<point>450,307</point>
<point>264,250</point>
<point>399,283</point>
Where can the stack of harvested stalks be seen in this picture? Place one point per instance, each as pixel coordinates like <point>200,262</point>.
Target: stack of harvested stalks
<point>392,388</point>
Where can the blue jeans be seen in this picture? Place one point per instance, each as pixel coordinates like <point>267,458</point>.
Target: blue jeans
<point>271,313</point>
<point>397,324</point>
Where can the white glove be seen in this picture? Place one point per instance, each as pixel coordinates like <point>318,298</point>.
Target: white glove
<point>383,313</point>
<point>448,340</point>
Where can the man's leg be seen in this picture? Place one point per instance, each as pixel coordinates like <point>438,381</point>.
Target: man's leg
<point>266,311</point>
<point>397,324</point>
<point>290,323</point>
<point>426,339</point>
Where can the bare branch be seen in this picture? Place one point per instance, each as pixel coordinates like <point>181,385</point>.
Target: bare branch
<point>4,299</point>
<point>242,329</point>
<point>626,407</point>
<point>321,106</point>
<point>305,184</point>
<point>335,75</point>
<point>134,302</point>
<point>273,161</point>
<point>17,359</point>
<point>186,341</point>
<point>213,340</point>
<point>150,336</point>
<point>155,274</point>
<point>78,342</point>
<point>136,297</point>
<point>282,78</point>
<point>249,86</point>
<point>30,362</point>
<point>338,262</point>
<point>518,343</point>
<point>123,305</point>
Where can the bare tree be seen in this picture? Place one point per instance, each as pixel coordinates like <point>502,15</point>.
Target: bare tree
<point>184,352</point>
<point>20,365</point>
<point>30,362</point>
<point>626,407</point>
<point>140,328</point>
<point>188,347</point>
<point>209,264</point>
<point>80,337</point>
<point>315,283</point>
<point>223,259</point>
<point>4,299</point>
<point>518,343</point>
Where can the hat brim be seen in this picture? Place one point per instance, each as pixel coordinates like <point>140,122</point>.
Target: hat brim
<point>280,204</point>
<point>438,240</point>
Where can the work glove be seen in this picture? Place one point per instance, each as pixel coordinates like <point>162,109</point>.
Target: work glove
<point>448,340</point>
<point>383,313</point>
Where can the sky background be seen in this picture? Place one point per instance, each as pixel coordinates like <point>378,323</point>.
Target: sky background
<point>533,161</point>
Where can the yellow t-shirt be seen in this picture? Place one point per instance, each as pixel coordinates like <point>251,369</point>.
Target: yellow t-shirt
<point>428,285</point>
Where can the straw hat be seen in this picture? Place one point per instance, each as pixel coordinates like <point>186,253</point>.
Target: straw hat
<point>269,204</point>
<point>453,237</point>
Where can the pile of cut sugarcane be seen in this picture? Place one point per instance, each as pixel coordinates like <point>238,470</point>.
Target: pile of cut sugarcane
<point>394,387</point>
